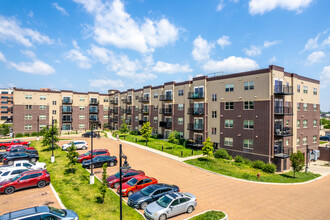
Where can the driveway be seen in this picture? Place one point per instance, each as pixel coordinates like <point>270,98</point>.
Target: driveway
<point>239,199</point>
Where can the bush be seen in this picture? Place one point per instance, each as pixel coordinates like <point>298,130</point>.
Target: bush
<point>239,159</point>
<point>156,136</point>
<point>258,164</point>
<point>26,134</point>
<point>174,137</point>
<point>134,132</point>
<point>327,126</point>
<point>34,134</point>
<point>222,153</point>
<point>269,168</point>
<point>19,135</point>
<point>247,161</point>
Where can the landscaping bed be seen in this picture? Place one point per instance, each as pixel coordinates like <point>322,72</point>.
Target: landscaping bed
<point>77,194</point>
<point>210,215</point>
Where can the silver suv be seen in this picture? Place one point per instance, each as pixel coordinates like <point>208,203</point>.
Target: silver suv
<point>170,205</point>
<point>79,145</point>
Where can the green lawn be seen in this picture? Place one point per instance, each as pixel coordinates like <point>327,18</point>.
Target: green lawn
<point>244,171</point>
<point>210,215</point>
<point>77,194</point>
<point>157,144</point>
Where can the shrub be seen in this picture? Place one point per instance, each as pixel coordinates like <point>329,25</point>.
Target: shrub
<point>239,159</point>
<point>174,137</point>
<point>247,161</point>
<point>134,132</point>
<point>269,168</point>
<point>222,153</point>
<point>26,135</point>
<point>258,164</point>
<point>34,134</point>
<point>18,135</point>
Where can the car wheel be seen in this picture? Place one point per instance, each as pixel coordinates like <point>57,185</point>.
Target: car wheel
<point>10,162</point>
<point>83,161</point>
<point>116,185</point>
<point>2,147</point>
<point>33,160</point>
<point>84,147</point>
<point>143,205</point>
<point>111,164</point>
<point>41,184</point>
<point>162,217</point>
<point>190,209</point>
<point>9,190</point>
<point>129,193</point>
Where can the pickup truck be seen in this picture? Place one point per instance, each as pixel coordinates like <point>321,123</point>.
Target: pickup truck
<point>4,145</point>
<point>26,164</point>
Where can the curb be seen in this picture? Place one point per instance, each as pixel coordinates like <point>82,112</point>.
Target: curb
<point>57,197</point>
<point>224,218</point>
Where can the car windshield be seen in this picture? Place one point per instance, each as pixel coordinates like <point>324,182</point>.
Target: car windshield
<point>147,191</point>
<point>16,177</point>
<point>132,182</point>
<point>59,212</point>
<point>164,201</point>
<point>86,154</point>
<point>117,175</point>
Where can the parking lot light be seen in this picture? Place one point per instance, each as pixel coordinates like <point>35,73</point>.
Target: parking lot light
<point>91,177</point>
<point>52,158</point>
<point>121,167</point>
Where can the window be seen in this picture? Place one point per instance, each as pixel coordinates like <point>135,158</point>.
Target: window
<point>136,118</point>
<point>156,95</point>
<point>154,131</point>
<point>81,99</point>
<point>298,123</point>
<point>314,123</point>
<point>105,100</point>
<point>82,108</point>
<point>214,114</point>
<point>305,140</point>
<point>248,124</point>
<point>105,108</point>
<point>298,106</point>
<point>81,125</point>
<point>105,116</point>
<point>305,89</point>
<point>298,141</point>
<point>180,121</point>
<point>314,107</point>
<point>42,126</point>
<point>214,131</point>
<point>180,92</point>
<point>229,123</point>
<point>42,107</point>
<point>229,106</point>
<point>287,122</point>
<point>287,142</point>
<point>54,112</point>
<point>305,106</point>
<point>28,107</point>
<point>314,138</point>
<point>248,143</point>
<point>314,91</point>
<point>180,107</point>
<point>28,117</point>
<point>229,141</point>
<point>54,102</point>
<point>42,117</point>
<point>180,134</point>
<point>155,119</point>
<point>28,96</point>
<point>249,85</point>
<point>298,88</point>
<point>229,87</point>
<point>42,97</point>
<point>28,127</point>
<point>155,108</point>
<point>304,123</point>
<point>214,97</point>
<point>248,105</point>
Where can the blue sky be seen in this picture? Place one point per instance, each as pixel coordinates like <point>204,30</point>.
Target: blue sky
<point>96,45</point>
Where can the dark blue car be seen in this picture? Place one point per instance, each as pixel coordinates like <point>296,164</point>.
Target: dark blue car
<point>325,138</point>
<point>100,160</point>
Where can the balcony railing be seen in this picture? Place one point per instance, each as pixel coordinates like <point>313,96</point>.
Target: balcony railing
<point>280,110</point>
<point>93,102</point>
<point>128,111</point>
<point>195,142</point>
<point>145,111</point>
<point>165,98</point>
<point>114,120</point>
<point>67,101</point>
<point>115,110</point>
<point>141,122</point>
<point>165,124</point>
<point>144,99</point>
<point>283,131</point>
<point>283,90</point>
<point>193,95</point>
<point>282,152</point>
<point>93,110</point>
<point>127,101</point>
<point>93,119</point>
<point>166,111</point>
<point>195,127</point>
<point>67,110</point>
<point>196,111</point>
<point>66,119</point>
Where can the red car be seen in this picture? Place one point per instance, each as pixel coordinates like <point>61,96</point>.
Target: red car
<point>4,145</point>
<point>39,178</point>
<point>19,145</point>
<point>97,152</point>
<point>113,181</point>
<point>136,184</point>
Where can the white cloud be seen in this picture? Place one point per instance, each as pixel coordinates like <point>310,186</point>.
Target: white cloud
<point>315,57</point>
<point>123,66</point>
<point>325,76</point>
<point>201,49</point>
<point>271,43</point>
<point>162,67</point>
<point>37,67</point>
<point>312,43</point>
<point>60,9</point>
<point>220,6</point>
<point>30,14</point>
<point>114,26</point>
<point>29,53</point>
<point>106,83</point>
<point>252,51</point>
<point>262,6</point>
<point>230,65</point>
<point>102,54</point>
<point>10,30</point>
<point>326,42</point>
<point>2,57</point>
<point>76,56</point>
<point>224,41</point>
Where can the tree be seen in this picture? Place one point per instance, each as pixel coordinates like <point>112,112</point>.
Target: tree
<point>297,162</point>
<point>208,147</point>
<point>47,136</point>
<point>146,130</point>
<point>103,187</point>
<point>123,128</point>
<point>72,156</point>
<point>4,129</point>
<point>174,137</point>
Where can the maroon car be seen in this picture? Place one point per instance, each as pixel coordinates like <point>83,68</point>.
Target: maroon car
<point>88,155</point>
<point>39,178</point>
<point>113,181</point>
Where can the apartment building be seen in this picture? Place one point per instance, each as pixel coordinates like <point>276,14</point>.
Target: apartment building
<point>6,105</point>
<point>264,114</point>
<point>34,109</point>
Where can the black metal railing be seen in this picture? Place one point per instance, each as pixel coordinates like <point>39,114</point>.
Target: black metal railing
<point>141,122</point>
<point>165,111</point>
<point>145,111</point>
<point>195,142</point>
<point>282,131</point>
<point>66,119</point>
<point>93,102</point>
<point>165,124</point>
<point>165,98</point>
<point>127,101</point>
<point>196,111</point>
<point>283,90</point>
<point>144,99</point>
<point>195,126</point>
<point>281,110</point>
<point>128,111</point>
<point>115,110</point>
<point>67,110</point>
<point>282,152</point>
<point>193,95</point>
<point>93,110</point>
<point>66,101</point>
<point>93,119</point>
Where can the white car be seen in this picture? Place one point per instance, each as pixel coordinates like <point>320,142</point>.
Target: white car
<point>6,173</point>
<point>80,145</point>
<point>27,164</point>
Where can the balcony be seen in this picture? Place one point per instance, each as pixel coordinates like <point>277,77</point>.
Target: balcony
<point>115,102</point>
<point>165,97</point>
<point>115,110</point>
<point>67,119</point>
<point>93,119</point>
<point>282,152</point>
<point>128,111</point>
<point>166,111</point>
<point>193,95</point>
<point>93,110</point>
<point>283,131</point>
<point>145,111</point>
<point>283,90</point>
<point>66,101</point>
<point>280,110</point>
<point>93,102</point>
<point>115,120</point>
<point>195,142</point>
<point>165,124</point>
<point>196,111</point>
<point>141,122</point>
<point>66,110</point>
<point>195,126</point>
<point>144,99</point>
<point>127,101</point>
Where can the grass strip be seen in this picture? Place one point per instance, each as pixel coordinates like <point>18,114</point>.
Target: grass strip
<point>210,215</point>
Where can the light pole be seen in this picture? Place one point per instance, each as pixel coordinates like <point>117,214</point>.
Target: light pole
<point>38,128</point>
<point>52,159</point>
<point>91,177</point>
<point>125,166</point>
<point>307,155</point>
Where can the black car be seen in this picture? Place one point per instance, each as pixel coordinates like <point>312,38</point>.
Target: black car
<point>11,157</point>
<point>18,149</point>
<point>100,160</point>
<point>150,194</point>
<point>88,134</point>
<point>325,138</point>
